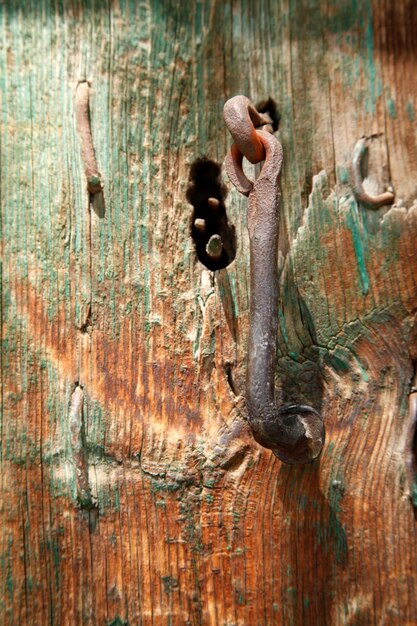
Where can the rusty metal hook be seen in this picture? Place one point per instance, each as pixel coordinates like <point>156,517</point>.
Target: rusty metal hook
<point>370,202</point>
<point>294,433</point>
<point>82,112</point>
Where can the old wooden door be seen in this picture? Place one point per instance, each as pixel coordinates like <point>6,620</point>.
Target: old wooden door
<point>132,489</point>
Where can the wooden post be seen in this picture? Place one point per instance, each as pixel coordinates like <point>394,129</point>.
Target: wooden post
<point>132,491</point>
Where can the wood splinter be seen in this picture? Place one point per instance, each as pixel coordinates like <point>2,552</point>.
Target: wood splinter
<point>82,113</point>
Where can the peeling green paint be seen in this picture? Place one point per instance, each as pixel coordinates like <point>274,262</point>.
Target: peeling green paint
<point>409,107</point>
<point>283,328</point>
<point>342,174</point>
<point>414,491</point>
<point>117,621</point>
<point>359,243</point>
<point>392,111</point>
<point>336,361</point>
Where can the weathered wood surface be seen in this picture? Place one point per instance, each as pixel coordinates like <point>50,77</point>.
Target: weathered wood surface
<point>185,520</point>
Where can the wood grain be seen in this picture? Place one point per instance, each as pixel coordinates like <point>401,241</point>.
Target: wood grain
<point>190,521</point>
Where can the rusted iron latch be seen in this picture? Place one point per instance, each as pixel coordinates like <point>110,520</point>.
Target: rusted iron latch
<point>368,201</point>
<point>82,111</point>
<point>294,433</point>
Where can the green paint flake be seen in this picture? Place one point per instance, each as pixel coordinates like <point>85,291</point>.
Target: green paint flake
<point>116,496</point>
<point>342,174</point>
<point>166,486</point>
<point>363,372</point>
<point>392,111</point>
<point>409,108</point>
<point>331,535</point>
<point>9,574</point>
<point>369,62</point>
<point>117,621</point>
<point>330,448</point>
<point>103,500</point>
<point>359,244</point>
<point>336,362</point>
<point>282,325</point>
<point>56,557</point>
<point>414,491</point>
<point>239,596</point>
<point>352,22</point>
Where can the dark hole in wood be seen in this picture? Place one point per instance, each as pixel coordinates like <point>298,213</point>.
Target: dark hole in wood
<point>214,237</point>
<point>270,106</point>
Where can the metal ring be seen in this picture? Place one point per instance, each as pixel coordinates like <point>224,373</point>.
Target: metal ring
<point>241,119</point>
<point>234,158</point>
